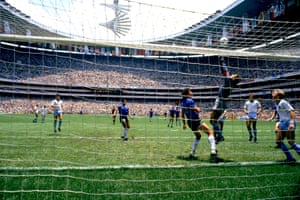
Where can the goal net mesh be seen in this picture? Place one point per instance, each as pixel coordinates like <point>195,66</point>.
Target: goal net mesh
<point>98,55</point>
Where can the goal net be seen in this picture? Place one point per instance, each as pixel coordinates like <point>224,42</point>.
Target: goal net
<point>94,54</point>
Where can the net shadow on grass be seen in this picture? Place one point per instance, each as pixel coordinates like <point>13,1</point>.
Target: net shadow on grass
<point>198,159</point>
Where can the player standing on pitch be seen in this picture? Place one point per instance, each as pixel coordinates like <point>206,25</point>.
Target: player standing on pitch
<point>286,125</point>
<point>36,111</point>
<point>114,113</point>
<point>275,117</point>
<point>172,113</point>
<point>218,113</point>
<point>57,106</point>
<point>190,116</point>
<point>44,113</point>
<point>124,114</point>
<point>177,116</point>
<point>151,113</point>
<point>252,108</point>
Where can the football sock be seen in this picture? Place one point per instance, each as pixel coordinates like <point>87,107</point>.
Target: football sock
<point>59,124</point>
<point>54,124</point>
<point>125,132</point>
<point>216,129</point>
<point>221,125</point>
<point>249,131</point>
<point>194,146</point>
<point>296,147</point>
<point>212,142</point>
<point>286,151</point>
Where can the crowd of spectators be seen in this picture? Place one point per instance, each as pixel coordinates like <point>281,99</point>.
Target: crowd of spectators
<point>96,78</point>
<point>23,106</point>
<point>124,72</point>
<point>129,72</point>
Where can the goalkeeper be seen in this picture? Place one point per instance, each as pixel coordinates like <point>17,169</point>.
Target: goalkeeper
<point>218,113</point>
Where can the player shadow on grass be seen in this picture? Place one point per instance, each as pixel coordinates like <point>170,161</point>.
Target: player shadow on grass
<point>187,158</point>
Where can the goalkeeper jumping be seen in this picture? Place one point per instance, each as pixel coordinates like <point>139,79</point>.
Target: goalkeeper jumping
<point>218,113</point>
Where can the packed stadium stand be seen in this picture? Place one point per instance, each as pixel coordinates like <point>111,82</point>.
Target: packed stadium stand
<point>246,24</point>
<point>30,72</point>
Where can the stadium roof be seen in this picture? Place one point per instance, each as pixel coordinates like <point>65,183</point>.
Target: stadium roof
<point>279,35</point>
<point>21,24</point>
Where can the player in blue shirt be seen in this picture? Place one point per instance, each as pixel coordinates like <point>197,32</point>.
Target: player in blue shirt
<point>190,116</point>
<point>124,114</point>
<point>172,113</point>
<point>218,113</point>
<point>151,113</point>
<point>177,116</point>
<point>286,125</point>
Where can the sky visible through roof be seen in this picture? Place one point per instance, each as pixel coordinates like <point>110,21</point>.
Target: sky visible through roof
<point>148,19</point>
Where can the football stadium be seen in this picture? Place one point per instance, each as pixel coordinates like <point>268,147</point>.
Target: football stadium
<point>135,99</point>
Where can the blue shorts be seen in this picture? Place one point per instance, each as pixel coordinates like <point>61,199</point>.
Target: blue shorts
<point>252,115</point>
<point>284,125</point>
<point>56,113</point>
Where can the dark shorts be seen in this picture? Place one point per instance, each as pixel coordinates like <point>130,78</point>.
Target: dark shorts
<point>194,124</point>
<point>124,119</point>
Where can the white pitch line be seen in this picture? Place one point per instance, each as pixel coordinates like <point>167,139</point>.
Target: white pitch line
<point>233,164</point>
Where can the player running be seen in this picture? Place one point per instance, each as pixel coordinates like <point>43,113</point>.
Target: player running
<point>124,114</point>
<point>287,124</point>
<point>252,108</point>
<point>218,113</point>
<point>57,106</point>
<point>190,116</point>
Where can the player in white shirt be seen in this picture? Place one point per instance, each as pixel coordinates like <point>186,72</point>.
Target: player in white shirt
<point>287,124</point>
<point>36,111</point>
<point>252,108</point>
<point>57,106</point>
<point>44,113</point>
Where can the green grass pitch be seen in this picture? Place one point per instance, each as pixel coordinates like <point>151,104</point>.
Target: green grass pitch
<point>88,160</point>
